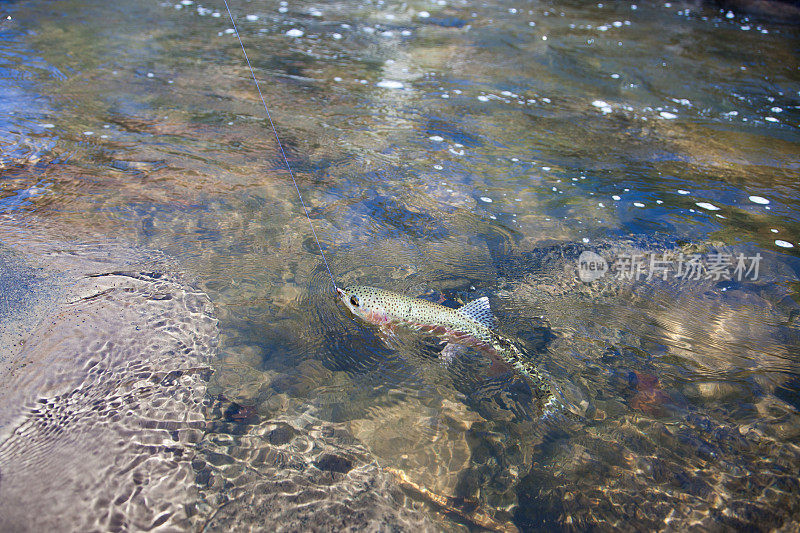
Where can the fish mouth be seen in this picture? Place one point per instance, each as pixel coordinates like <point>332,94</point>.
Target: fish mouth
<point>340,292</point>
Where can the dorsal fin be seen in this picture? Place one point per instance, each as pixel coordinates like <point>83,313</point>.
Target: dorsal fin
<point>479,311</point>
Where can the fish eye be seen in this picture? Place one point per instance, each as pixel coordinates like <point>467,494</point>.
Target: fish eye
<point>354,301</point>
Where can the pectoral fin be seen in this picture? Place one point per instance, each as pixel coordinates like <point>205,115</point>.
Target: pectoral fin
<point>450,352</point>
<point>389,337</point>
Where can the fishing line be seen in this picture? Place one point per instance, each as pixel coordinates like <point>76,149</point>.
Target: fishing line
<point>275,131</point>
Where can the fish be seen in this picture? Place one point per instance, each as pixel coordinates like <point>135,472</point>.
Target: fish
<point>471,325</point>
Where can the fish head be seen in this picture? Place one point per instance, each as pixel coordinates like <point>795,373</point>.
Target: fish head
<point>366,303</point>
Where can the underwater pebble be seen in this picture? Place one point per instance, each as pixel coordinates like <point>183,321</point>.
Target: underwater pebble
<point>47,125</point>
<point>758,200</point>
<point>252,18</point>
<point>486,199</point>
<point>616,198</point>
<point>423,14</point>
<point>87,133</point>
<point>681,191</point>
<point>783,244</point>
<point>638,204</point>
<point>771,119</point>
<point>483,98</point>
<point>773,230</point>
<point>294,32</point>
<point>706,205</point>
<point>667,115</point>
<point>436,138</point>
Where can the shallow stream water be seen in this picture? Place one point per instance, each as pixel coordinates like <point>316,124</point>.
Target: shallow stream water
<point>446,150</point>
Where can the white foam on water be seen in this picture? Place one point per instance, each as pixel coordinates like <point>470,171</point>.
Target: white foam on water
<point>390,84</point>
<point>706,205</point>
<point>758,200</point>
<point>602,106</point>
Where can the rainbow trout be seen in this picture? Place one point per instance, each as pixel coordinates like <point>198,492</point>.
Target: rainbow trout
<point>469,325</point>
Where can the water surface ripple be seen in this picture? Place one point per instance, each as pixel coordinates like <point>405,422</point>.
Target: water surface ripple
<point>446,150</point>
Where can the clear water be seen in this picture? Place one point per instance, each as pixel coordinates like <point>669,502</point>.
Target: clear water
<point>448,150</point>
